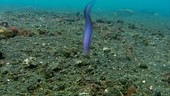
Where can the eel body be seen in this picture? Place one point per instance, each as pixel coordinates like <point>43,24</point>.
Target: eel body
<point>88,29</point>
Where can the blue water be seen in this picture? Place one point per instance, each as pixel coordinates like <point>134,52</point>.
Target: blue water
<point>158,6</point>
<point>123,49</point>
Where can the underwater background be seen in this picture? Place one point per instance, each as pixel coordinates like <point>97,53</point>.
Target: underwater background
<point>157,6</point>
<point>41,48</point>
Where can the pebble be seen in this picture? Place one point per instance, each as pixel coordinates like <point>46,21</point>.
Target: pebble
<point>106,50</point>
<point>1,56</point>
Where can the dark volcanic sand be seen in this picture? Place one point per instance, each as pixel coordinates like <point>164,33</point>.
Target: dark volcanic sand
<point>130,55</point>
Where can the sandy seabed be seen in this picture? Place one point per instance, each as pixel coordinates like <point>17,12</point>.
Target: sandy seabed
<point>41,54</point>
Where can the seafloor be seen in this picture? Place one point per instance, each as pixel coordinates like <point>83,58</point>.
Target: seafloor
<point>41,54</point>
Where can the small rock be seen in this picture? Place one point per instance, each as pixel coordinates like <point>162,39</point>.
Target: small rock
<point>120,21</point>
<point>30,63</point>
<point>56,67</point>
<point>1,56</point>
<point>49,73</point>
<point>78,14</point>
<point>42,31</point>
<point>143,66</point>
<point>106,50</point>
<point>80,63</point>
<point>100,21</point>
<point>158,93</point>
<point>5,24</point>
<point>83,94</point>
<point>132,26</point>
<point>168,80</point>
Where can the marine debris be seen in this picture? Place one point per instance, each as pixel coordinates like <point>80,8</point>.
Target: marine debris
<point>8,31</point>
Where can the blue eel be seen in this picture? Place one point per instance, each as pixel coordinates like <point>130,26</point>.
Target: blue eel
<point>88,29</point>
